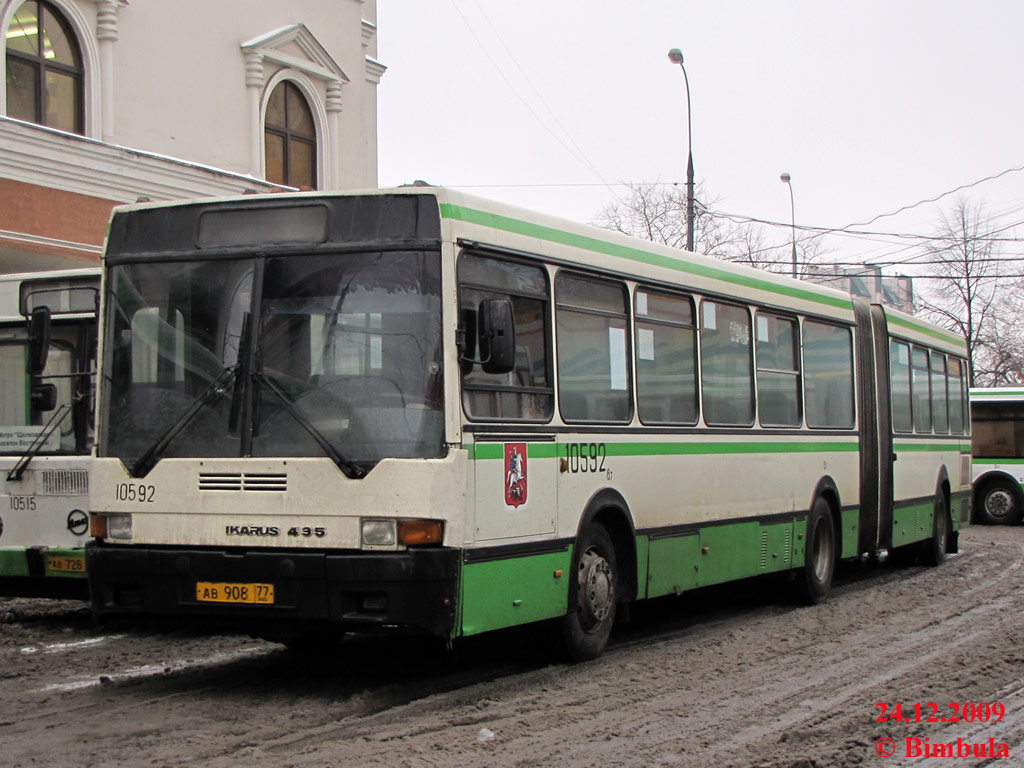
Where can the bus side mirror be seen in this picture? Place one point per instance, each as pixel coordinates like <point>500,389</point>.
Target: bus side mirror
<point>44,397</point>
<point>38,340</point>
<point>497,336</point>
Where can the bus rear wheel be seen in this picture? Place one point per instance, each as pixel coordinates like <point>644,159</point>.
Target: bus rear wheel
<point>999,503</point>
<point>934,550</point>
<point>593,592</point>
<point>814,580</point>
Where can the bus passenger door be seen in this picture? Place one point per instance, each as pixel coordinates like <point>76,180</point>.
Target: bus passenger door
<point>515,486</point>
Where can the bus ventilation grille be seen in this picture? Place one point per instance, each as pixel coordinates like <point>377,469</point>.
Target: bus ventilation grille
<point>242,481</point>
<point>787,550</point>
<point>63,482</point>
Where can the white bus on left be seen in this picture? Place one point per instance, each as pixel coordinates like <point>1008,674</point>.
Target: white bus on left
<point>47,362</point>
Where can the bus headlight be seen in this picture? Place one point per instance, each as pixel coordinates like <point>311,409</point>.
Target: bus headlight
<point>117,525</point>
<point>379,533</point>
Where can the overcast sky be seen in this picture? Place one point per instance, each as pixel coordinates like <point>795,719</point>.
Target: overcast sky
<point>870,106</point>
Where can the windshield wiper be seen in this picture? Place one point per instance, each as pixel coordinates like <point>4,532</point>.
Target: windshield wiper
<point>352,470</point>
<point>217,388</point>
<point>41,439</point>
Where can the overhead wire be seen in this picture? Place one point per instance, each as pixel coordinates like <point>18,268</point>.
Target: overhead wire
<point>576,154</point>
<point>892,258</point>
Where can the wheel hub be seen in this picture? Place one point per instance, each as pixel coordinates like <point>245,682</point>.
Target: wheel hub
<point>999,504</point>
<point>597,589</point>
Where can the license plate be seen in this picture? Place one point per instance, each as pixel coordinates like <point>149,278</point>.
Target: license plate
<point>66,563</point>
<point>229,592</point>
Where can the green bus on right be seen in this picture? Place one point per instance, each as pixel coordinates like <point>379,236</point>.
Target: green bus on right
<point>997,454</point>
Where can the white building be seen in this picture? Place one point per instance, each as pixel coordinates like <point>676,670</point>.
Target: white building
<point>107,101</point>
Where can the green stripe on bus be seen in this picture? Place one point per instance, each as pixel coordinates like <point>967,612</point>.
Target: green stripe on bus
<point>485,451</point>
<point>936,333</point>
<point>497,450</point>
<point>1000,393</point>
<point>552,235</point>
<point>711,449</point>
<point>980,461</point>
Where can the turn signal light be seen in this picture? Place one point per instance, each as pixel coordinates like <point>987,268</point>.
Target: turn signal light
<point>418,532</point>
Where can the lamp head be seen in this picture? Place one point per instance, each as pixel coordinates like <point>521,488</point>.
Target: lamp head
<point>675,56</point>
<point>784,178</point>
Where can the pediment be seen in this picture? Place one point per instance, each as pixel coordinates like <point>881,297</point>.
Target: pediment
<point>296,47</point>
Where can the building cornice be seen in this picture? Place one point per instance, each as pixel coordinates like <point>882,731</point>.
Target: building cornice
<point>46,157</point>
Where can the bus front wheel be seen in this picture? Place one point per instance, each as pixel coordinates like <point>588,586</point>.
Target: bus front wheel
<point>999,503</point>
<point>814,580</point>
<point>593,592</point>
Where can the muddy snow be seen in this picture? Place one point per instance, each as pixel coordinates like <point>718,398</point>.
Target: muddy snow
<point>734,676</point>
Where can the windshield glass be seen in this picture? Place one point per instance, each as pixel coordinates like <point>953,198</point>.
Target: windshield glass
<point>334,354</point>
<point>21,422</point>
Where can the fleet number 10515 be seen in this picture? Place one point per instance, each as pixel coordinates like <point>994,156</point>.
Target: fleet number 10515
<point>135,492</point>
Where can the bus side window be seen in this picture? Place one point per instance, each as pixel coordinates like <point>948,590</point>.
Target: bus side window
<point>526,392</point>
<point>899,375</point>
<point>593,352</point>
<point>727,365</point>
<point>778,371</point>
<point>956,396</point>
<point>828,375</point>
<point>666,358</point>
<point>940,397</point>
<point>921,390</point>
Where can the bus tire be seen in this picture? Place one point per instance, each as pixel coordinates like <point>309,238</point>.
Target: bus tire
<point>999,502</point>
<point>814,579</point>
<point>593,591</point>
<point>934,549</point>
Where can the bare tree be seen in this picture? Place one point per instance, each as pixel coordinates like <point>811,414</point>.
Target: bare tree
<point>964,293</point>
<point>657,212</point>
<point>999,357</point>
<point>654,212</point>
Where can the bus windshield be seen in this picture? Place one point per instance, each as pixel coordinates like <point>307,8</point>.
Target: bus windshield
<point>21,422</point>
<point>333,355</point>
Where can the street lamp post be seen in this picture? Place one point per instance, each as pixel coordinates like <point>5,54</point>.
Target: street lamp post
<point>787,180</point>
<point>676,57</point>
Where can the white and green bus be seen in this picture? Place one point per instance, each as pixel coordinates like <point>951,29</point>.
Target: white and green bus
<point>416,411</point>
<point>997,416</point>
<point>48,337</point>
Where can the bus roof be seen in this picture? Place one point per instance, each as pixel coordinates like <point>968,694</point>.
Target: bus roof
<point>997,394</point>
<point>477,219</point>
<point>10,289</point>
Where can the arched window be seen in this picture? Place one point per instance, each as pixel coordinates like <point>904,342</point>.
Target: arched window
<point>44,68</point>
<point>290,138</point>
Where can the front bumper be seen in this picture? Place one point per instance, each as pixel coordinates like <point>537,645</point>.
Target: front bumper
<point>411,593</point>
<point>43,572</point>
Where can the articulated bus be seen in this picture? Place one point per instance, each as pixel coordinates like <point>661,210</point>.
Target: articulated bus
<point>997,415</point>
<point>48,337</point>
<point>415,411</point>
